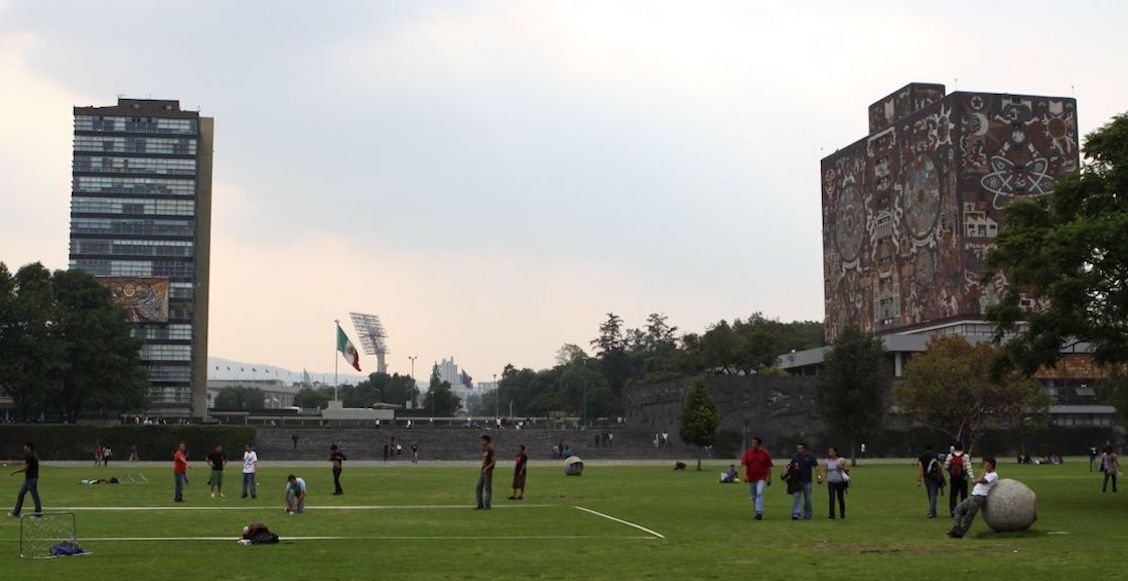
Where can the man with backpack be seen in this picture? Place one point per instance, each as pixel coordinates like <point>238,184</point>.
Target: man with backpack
<point>958,465</point>
<point>930,474</point>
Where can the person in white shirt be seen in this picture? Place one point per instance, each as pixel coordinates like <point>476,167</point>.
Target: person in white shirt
<point>250,463</point>
<point>965,512</point>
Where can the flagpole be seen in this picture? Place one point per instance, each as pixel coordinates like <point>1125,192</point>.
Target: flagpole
<point>335,358</point>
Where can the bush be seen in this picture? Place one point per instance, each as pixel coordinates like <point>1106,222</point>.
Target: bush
<point>154,443</point>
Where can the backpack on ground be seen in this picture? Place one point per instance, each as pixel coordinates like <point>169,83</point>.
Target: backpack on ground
<point>956,467</point>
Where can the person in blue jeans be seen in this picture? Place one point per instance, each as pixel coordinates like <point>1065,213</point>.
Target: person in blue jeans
<point>31,479</point>
<point>800,472</point>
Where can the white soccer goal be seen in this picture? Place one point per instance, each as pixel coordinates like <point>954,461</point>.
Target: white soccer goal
<point>41,533</point>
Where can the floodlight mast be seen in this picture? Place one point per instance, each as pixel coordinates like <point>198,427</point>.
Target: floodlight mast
<point>373,338</point>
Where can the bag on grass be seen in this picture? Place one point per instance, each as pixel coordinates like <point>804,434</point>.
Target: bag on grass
<point>66,549</point>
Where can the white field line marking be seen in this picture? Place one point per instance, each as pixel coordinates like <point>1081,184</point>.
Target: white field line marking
<point>269,507</point>
<point>389,538</point>
<point>620,521</point>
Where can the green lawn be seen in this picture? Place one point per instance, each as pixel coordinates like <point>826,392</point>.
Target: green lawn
<point>708,529</point>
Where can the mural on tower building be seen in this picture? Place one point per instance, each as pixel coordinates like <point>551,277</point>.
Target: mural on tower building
<point>911,210</point>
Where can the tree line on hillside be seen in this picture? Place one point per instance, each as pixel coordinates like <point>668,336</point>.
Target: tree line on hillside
<point>592,385</point>
<point>66,347</point>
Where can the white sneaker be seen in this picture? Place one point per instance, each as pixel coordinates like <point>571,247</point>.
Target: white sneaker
<point>221,495</point>
<point>213,495</point>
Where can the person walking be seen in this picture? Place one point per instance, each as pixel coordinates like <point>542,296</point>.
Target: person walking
<point>757,463</point>
<point>250,465</point>
<point>295,494</point>
<point>520,471</point>
<point>415,452</point>
<point>836,473</point>
<point>484,491</point>
<point>800,471</point>
<point>966,510</point>
<point>1092,458</point>
<point>1110,465</point>
<point>958,466</point>
<point>180,471</point>
<point>30,471</point>
<point>336,461</point>
<point>930,474</point>
<point>217,460</point>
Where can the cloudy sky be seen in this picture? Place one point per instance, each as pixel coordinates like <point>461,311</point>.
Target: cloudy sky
<point>493,177</point>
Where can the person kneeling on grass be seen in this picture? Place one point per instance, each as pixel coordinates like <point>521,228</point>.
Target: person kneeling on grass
<point>966,510</point>
<point>295,495</point>
<point>729,476</point>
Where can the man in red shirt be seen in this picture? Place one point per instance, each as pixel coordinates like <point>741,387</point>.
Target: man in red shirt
<point>757,465</point>
<point>180,471</point>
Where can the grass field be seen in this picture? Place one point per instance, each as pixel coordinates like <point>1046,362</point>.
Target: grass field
<point>417,523</point>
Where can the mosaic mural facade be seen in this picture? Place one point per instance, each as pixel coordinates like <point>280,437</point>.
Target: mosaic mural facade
<point>910,211</point>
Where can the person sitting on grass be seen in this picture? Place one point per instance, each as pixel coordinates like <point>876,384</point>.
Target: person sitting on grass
<point>966,510</point>
<point>729,476</point>
<point>295,495</point>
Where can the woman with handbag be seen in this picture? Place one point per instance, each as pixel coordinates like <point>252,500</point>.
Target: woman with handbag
<point>836,473</point>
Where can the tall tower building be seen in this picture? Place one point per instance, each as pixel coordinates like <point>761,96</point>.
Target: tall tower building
<point>911,210</point>
<point>141,222</point>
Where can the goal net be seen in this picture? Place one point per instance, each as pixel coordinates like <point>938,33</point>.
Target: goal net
<point>47,535</point>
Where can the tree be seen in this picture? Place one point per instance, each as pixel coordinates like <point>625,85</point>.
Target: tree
<point>102,363</point>
<point>699,421</point>
<point>853,388</point>
<point>610,337</point>
<point>582,387</point>
<point>1065,261</point>
<point>66,347</point>
<point>241,398</point>
<point>440,399</point>
<point>1113,391</point>
<point>30,356</point>
<point>308,397</point>
<point>950,388</point>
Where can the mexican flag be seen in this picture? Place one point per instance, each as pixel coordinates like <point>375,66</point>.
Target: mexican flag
<point>347,349</point>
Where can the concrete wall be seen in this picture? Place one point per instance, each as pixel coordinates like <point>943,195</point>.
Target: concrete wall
<point>777,409</point>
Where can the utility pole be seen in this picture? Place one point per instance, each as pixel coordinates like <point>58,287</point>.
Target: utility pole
<point>497,398</point>
<point>413,386</point>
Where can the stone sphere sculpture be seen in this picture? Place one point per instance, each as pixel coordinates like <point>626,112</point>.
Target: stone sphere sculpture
<point>1011,507</point>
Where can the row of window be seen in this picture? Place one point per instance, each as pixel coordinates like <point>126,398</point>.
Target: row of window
<point>170,395</point>
<point>139,165</point>
<point>181,146</point>
<point>135,124</point>
<point>169,268</point>
<point>117,185</point>
<point>169,372</point>
<point>133,207</point>
<point>135,227</point>
<point>155,352</point>
<point>181,290</point>
<point>133,247</point>
<point>173,332</point>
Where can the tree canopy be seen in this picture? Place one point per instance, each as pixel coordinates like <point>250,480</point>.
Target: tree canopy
<point>951,388</point>
<point>852,390</point>
<point>1065,260</point>
<point>654,352</point>
<point>66,347</point>
<point>240,397</point>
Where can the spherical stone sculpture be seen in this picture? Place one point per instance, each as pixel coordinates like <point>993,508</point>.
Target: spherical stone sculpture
<point>1011,507</point>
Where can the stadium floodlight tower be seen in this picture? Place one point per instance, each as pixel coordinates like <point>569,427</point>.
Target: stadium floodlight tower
<point>373,338</point>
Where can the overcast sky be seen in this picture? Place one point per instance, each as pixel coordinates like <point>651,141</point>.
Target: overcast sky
<point>493,177</point>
